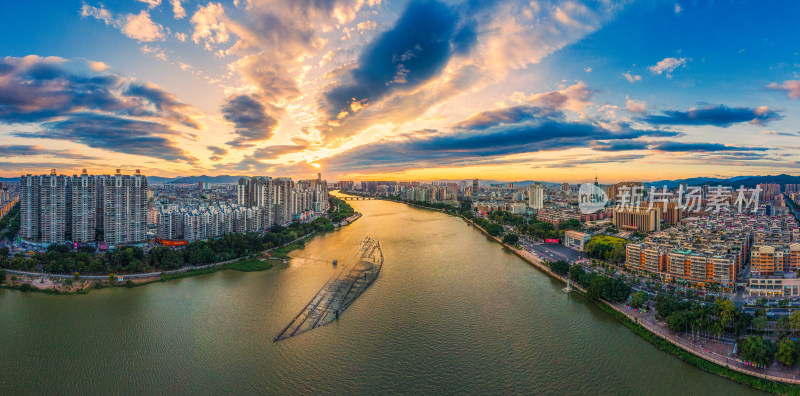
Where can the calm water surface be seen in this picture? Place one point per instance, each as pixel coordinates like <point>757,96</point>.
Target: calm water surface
<point>452,312</point>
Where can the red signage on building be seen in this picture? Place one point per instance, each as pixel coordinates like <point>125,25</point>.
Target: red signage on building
<point>167,242</point>
<point>548,240</point>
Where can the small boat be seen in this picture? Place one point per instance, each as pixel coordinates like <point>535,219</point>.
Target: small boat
<point>335,262</point>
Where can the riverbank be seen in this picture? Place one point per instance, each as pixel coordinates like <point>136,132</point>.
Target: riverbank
<point>26,281</point>
<point>658,335</point>
<point>34,282</point>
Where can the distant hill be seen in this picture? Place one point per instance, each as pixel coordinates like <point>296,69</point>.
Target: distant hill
<point>205,179</point>
<point>159,179</point>
<point>486,182</point>
<point>747,181</point>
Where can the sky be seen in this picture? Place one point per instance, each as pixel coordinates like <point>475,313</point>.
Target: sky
<point>401,90</point>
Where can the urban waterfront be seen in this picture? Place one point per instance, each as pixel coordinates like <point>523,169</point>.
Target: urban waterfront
<point>452,312</point>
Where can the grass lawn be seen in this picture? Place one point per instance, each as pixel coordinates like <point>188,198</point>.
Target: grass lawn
<point>608,239</point>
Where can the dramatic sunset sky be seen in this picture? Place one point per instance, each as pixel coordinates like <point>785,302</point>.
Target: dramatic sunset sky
<point>379,89</point>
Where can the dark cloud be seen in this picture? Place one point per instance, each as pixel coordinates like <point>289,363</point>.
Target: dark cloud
<point>574,163</point>
<point>253,162</point>
<point>622,145</point>
<point>37,89</point>
<point>166,103</point>
<point>464,146</point>
<point>717,115</point>
<point>668,146</point>
<point>23,150</point>
<point>507,115</point>
<point>700,147</point>
<point>414,51</point>
<point>100,110</point>
<point>115,134</point>
<point>218,152</point>
<point>250,118</point>
<point>272,152</point>
<point>776,133</point>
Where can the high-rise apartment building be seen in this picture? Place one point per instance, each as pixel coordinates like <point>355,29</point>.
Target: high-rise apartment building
<point>281,199</point>
<point>84,208</point>
<point>769,191</point>
<point>536,196</point>
<point>475,187</point>
<point>671,212</point>
<point>29,199</point>
<point>124,208</point>
<point>791,188</point>
<point>54,212</point>
<point>637,219</point>
<point>624,191</point>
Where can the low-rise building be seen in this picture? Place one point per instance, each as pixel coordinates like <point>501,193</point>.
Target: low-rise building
<point>576,239</point>
<point>785,285</point>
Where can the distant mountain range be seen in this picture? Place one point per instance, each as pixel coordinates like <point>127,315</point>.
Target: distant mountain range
<point>203,178</point>
<point>747,181</point>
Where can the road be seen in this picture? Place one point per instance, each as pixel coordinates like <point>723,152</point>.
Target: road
<point>554,251</point>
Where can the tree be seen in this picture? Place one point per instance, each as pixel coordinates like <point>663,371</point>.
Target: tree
<point>725,311</point>
<point>560,267</point>
<point>757,349</point>
<point>494,229</point>
<point>571,224</point>
<point>794,322</point>
<point>2,277</point>
<point>760,323</point>
<point>782,327</point>
<point>639,298</point>
<point>111,278</point>
<point>576,273</point>
<point>617,254</point>
<point>678,321</point>
<point>667,304</point>
<point>787,351</point>
<point>511,239</point>
<point>77,275</point>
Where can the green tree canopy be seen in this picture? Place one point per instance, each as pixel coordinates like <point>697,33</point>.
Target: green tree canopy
<point>511,238</point>
<point>787,351</point>
<point>639,298</point>
<point>756,349</point>
<point>560,267</point>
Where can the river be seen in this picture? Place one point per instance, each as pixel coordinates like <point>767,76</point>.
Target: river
<point>452,312</point>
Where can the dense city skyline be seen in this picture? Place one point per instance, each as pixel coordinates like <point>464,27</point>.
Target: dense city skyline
<point>400,90</point>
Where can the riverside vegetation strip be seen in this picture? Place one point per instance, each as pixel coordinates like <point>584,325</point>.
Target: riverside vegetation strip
<point>233,251</point>
<point>602,290</point>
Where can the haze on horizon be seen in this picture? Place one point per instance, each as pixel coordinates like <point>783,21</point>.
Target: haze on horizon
<point>401,90</point>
